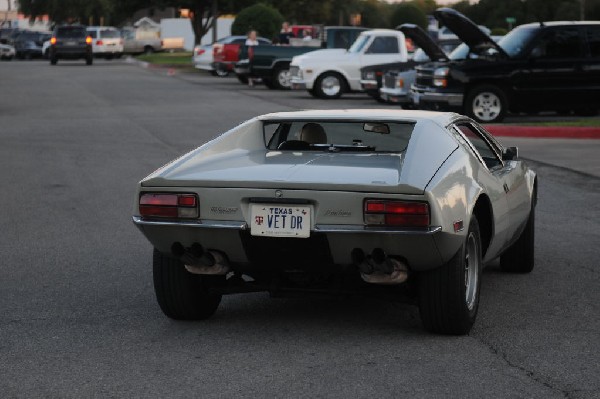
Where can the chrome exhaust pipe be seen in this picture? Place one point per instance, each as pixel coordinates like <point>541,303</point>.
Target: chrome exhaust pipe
<point>219,267</point>
<point>199,261</point>
<point>378,268</point>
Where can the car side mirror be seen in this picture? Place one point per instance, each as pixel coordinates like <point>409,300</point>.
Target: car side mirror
<point>510,154</point>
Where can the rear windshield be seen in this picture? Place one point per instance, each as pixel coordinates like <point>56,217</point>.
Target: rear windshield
<point>359,136</point>
<point>70,32</point>
<point>110,34</point>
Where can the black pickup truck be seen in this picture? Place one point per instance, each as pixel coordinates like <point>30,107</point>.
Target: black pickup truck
<point>550,66</point>
<point>272,63</point>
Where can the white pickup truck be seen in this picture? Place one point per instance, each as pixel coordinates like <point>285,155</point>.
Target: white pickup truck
<point>332,72</point>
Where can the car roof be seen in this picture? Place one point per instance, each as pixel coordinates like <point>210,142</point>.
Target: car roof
<point>561,23</point>
<point>380,32</point>
<point>441,118</point>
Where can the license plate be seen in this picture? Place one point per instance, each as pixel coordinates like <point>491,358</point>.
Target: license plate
<point>70,43</point>
<point>278,220</point>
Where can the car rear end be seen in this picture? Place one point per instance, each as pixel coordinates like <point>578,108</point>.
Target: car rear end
<point>70,42</point>
<point>107,42</point>
<point>396,87</point>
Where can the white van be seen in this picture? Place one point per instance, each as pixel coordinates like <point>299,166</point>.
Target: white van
<point>106,41</point>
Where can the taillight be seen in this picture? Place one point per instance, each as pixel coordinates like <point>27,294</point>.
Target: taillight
<point>396,213</point>
<point>200,51</point>
<point>159,205</point>
<point>99,43</point>
<point>88,40</point>
<point>52,40</point>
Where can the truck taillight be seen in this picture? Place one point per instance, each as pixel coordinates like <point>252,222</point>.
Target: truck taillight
<point>88,40</point>
<point>52,40</point>
<point>99,43</point>
<point>396,213</point>
<point>164,205</point>
<point>200,51</point>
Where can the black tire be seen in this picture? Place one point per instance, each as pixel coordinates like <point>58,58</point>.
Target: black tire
<point>281,78</point>
<point>313,93</point>
<point>486,104</point>
<point>148,49</point>
<point>89,60</point>
<point>53,60</point>
<point>330,85</point>
<point>448,300</point>
<point>243,79</point>
<point>520,257</point>
<point>182,295</point>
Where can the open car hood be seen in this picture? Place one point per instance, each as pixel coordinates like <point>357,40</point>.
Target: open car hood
<point>466,30</point>
<point>424,41</point>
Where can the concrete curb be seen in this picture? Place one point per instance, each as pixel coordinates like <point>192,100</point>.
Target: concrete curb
<point>557,132</point>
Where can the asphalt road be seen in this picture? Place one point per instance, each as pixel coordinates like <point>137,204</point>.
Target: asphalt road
<point>78,316</point>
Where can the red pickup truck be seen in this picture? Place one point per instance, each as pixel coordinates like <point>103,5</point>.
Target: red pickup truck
<point>225,55</point>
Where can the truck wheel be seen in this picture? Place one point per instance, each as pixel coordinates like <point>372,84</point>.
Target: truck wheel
<point>282,78</point>
<point>486,104</point>
<point>330,85</point>
<point>148,49</point>
<point>222,73</point>
<point>449,295</point>
<point>182,295</point>
<point>520,257</point>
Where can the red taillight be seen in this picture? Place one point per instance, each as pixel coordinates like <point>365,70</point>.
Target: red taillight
<point>200,51</point>
<point>396,213</point>
<point>52,40</point>
<point>88,40</point>
<point>169,205</point>
<point>99,43</point>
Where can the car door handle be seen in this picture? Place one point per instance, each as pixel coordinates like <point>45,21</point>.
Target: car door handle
<point>506,189</point>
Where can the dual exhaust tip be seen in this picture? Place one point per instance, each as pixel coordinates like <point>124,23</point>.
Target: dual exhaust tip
<point>379,268</point>
<point>197,260</point>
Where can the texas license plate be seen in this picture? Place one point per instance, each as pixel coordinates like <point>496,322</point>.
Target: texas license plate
<point>272,220</point>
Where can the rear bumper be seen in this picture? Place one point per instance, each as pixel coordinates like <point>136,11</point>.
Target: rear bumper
<point>298,84</point>
<point>334,243</point>
<point>395,95</point>
<point>70,52</point>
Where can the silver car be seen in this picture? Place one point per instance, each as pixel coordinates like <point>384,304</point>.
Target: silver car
<point>390,202</point>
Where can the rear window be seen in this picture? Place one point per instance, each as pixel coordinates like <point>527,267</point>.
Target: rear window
<point>331,136</point>
<point>70,32</point>
<point>110,34</point>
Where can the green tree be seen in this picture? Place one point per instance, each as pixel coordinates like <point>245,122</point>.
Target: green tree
<point>408,13</point>
<point>263,18</point>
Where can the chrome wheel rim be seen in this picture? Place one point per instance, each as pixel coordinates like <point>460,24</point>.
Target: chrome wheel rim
<point>471,271</point>
<point>284,77</point>
<point>331,86</point>
<point>221,73</point>
<point>487,106</point>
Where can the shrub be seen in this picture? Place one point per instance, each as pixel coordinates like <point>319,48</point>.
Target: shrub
<point>264,19</point>
<point>408,13</point>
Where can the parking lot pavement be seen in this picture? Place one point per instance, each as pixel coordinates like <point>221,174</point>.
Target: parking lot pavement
<point>78,315</point>
<point>580,155</point>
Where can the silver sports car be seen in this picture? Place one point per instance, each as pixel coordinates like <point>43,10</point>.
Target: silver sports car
<point>406,204</point>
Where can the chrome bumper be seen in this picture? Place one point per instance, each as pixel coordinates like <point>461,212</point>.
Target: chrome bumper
<point>396,95</point>
<point>368,84</point>
<point>451,99</point>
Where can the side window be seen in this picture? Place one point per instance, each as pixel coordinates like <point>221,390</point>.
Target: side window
<point>593,38</point>
<point>383,45</point>
<point>559,43</point>
<point>480,144</point>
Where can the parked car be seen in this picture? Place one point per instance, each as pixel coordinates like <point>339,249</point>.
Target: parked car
<point>551,66</point>
<point>5,34</point>
<point>71,42</point>
<point>225,54</point>
<point>272,63</point>
<point>330,73</point>
<point>226,50</point>
<point>135,42</point>
<point>106,41</point>
<point>28,44</point>
<point>397,80</point>
<point>7,52</point>
<point>346,200</point>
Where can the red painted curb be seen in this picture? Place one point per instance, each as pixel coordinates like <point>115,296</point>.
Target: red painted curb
<point>557,132</point>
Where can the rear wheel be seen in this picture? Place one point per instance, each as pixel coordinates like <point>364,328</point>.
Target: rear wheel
<point>520,257</point>
<point>486,104</point>
<point>330,85</point>
<point>148,49</point>
<point>449,295</point>
<point>282,78</point>
<point>182,295</point>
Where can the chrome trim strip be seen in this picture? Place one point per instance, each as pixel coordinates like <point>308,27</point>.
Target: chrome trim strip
<point>220,224</point>
<point>336,228</point>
